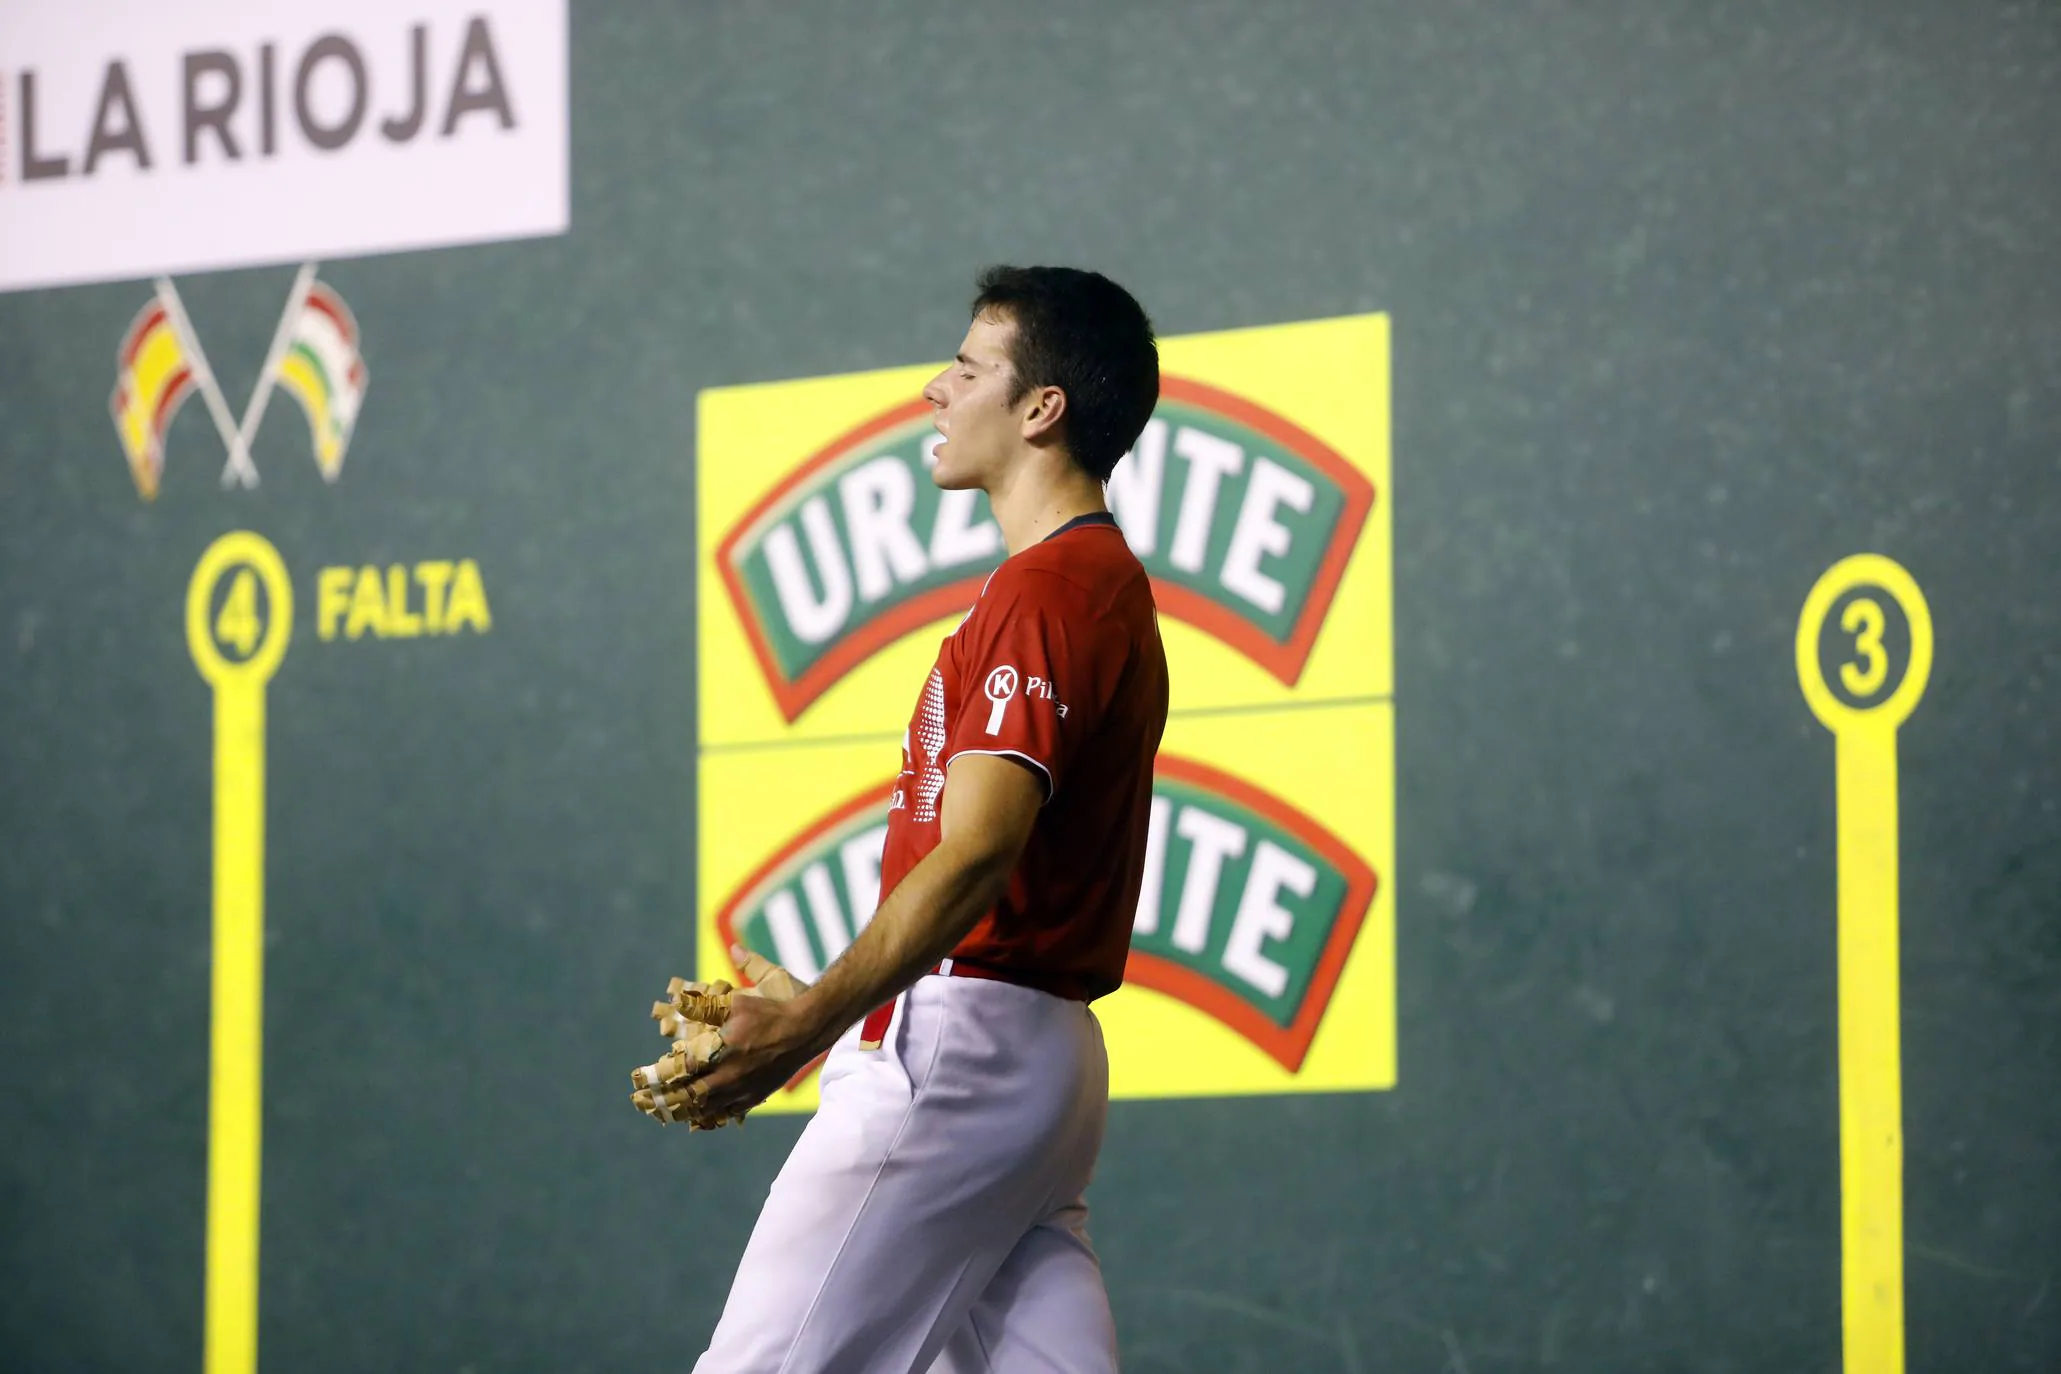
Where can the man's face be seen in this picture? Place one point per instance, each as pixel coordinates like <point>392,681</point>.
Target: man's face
<point>971,407</point>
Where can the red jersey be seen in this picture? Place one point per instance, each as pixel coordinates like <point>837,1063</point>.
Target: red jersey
<point>1060,668</point>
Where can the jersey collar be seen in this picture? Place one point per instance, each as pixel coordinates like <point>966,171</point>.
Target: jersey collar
<point>1093,517</point>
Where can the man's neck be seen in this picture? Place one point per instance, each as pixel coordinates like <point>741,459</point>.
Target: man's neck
<point>1032,504</point>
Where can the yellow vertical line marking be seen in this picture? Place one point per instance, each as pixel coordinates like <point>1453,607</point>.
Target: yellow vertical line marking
<point>237,994</point>
<point>1871,1149</point>
<point>1871,1144</point>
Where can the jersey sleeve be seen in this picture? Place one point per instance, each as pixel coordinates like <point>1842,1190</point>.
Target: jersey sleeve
<point>1030,668</point>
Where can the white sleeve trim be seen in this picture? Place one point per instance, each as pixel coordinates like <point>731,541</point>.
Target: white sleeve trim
<point>1009,754</point>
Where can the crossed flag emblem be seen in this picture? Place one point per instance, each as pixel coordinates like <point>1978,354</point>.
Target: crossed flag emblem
<point>313,358</point>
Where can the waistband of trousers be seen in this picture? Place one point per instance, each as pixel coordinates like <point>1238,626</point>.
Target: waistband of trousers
<point>1070,986</point>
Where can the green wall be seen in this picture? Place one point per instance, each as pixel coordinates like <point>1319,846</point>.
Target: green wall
<point>1689,301</point>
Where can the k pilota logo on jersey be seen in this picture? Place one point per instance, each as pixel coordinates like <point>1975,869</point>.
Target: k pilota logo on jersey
<point>1001,690</point>
<point>1244,520</point>
<point>1247,910</point>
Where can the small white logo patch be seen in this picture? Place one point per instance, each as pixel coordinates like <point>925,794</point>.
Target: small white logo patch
<point>1001,689</point>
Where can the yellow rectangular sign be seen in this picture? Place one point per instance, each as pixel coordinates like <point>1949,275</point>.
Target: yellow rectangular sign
<point>831,568</point>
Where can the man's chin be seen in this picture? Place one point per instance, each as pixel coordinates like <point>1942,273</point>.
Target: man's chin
<point>944,478</point>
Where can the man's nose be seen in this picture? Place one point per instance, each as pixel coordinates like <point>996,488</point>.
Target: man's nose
<point>934,392</point>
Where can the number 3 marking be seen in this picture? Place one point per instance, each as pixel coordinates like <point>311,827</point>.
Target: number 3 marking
<point>1871,1143</point>
<point>1863,620</point>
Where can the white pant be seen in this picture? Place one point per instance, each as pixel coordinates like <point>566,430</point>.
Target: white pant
<point>930,1216</point>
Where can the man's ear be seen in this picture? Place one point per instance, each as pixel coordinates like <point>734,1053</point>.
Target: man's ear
<point>1045,408</point>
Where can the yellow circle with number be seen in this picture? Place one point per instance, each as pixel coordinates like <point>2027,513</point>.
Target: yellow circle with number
<point>250,563</point>
<point>1863,621</point>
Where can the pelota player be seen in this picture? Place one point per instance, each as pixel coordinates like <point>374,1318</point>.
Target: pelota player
<point>931,1214</point>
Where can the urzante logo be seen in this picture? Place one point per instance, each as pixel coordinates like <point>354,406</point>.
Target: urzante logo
<point>1249,907</point>
<point>1245,521</point>
<point>1247,911</point>
<point>229,133</point>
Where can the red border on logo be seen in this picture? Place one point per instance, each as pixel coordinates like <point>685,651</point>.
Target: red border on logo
<point>793,696</point>
<point>726,915</point>
<point>1288,1045</point>
<point>1285,661</point>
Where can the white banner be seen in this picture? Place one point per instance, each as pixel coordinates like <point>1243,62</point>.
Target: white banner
<point>140,138</point>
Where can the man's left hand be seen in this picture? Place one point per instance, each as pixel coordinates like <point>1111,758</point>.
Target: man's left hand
<point>765,1044</point>
<point>735,1047</point>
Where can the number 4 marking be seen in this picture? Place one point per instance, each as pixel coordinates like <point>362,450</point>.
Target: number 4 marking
<point>238,625</point>
<point>229,1331</point>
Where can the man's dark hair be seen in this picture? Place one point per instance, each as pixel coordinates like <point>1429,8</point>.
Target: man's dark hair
<point>1081,332</point>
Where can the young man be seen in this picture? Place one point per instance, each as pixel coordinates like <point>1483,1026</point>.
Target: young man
<point>931,1214</point>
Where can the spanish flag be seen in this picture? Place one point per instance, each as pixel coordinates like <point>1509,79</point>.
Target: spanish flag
<point>154,375</point>
<point>322,370</point>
